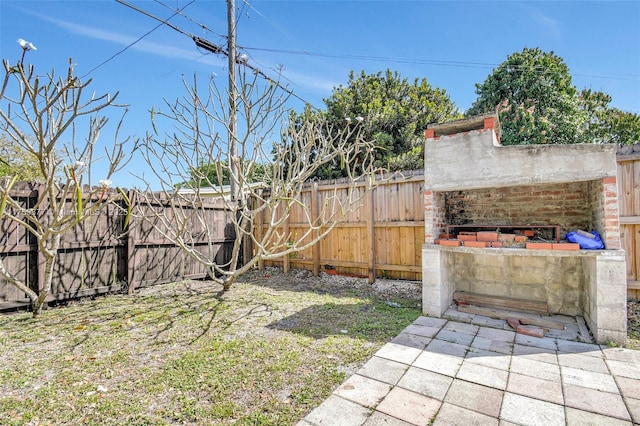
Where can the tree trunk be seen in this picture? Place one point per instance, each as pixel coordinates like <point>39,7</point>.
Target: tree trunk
<point>50,255</point>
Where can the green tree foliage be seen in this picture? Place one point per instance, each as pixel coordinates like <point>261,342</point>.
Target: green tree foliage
<point>535,99</point>
<point>15,161</point>
<point>537,103</point>
<point>607,124</point>
<point>394,114</point>
<point>218,174</point>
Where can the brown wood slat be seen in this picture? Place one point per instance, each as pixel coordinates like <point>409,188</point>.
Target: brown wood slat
<point>97,256</point>
<point>500,302</point>
<point>502,314</point>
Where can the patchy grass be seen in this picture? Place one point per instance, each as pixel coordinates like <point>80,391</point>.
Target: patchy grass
<point>267,352</point>
<point>633,324</point>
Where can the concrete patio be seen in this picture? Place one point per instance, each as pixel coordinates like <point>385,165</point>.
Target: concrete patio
<point>472,370</point>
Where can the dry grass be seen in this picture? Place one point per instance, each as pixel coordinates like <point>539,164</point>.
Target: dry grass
<point>633,324</point>
<point>267,352</point>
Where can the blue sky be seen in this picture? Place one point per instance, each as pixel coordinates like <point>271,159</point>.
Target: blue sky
<point>453,44</point>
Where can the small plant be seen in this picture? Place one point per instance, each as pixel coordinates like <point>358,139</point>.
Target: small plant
<point>293,254</point>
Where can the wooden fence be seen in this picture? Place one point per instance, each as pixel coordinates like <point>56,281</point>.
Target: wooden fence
<point>382,238</point>
<point>98,257</point>
<point>629,205</point>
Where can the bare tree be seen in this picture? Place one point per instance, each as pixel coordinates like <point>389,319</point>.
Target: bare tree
<point>40,116</point>
<point>276,158</point>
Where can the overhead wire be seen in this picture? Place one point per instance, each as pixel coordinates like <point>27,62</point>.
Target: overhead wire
<point>446,63</point>
<point>188,18</point>
<point>213,48</point>
<point>133,43</point>
<point>279,71</point>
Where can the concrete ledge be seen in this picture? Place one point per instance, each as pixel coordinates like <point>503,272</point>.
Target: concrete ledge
<point>590,283</point>
<point>490,164</point>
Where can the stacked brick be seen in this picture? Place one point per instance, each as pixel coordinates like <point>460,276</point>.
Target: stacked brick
<point>493,239</point>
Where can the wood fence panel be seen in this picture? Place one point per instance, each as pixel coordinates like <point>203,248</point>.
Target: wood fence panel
<point>88,260</point>
<point>629,209</point>
<point>98,256</point>
<point>157,260</point>
<point>381,238</point>
<point>18,249</point>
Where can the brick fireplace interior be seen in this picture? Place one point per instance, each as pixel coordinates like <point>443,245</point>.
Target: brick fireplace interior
<point>470,179</point>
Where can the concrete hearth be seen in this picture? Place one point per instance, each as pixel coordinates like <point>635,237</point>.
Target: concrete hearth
<point>584,283</point>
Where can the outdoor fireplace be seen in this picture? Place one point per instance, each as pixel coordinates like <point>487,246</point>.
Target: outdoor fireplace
<point>472,182</point>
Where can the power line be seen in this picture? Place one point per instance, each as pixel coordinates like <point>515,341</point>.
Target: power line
<point>188,18</point>
<point>211,47</point>
<point>131,44</point>
<point>374,58</point>
<point>445,63</point>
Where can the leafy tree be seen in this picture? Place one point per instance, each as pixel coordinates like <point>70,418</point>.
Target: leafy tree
<point>16,162</point>
<point>218,174</point>
<point>535,99</point>
<point>607,124</point>
<point>394,114</point>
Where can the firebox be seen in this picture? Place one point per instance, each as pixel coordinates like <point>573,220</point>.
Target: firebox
<point>474,183</point>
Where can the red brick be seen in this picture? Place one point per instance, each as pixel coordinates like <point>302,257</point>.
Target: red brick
<point>513,322</point>
<point>610,179</point>
<point>497,244</point>
<point>429,134</point>
<point>476,244</point>
<point>539,246</point>
<point>487,236</point>
<point>529,330</point>
<point>566,246</point>
<point>454,243</point>
<point>489,123</point>
<point>462,237</point>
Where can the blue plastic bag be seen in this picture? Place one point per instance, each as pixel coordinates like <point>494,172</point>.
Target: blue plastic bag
<point>585,242</point>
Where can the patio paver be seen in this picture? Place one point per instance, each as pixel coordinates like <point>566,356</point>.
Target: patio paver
<point>454,371</point>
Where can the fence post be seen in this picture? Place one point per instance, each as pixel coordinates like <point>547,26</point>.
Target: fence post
<point>257,227</point>
<point>286,262</point>
<point>43,210</point>
<point>372,238</point>
<point>131,244</point>
<point>247,243</point>
<point>315,250</point>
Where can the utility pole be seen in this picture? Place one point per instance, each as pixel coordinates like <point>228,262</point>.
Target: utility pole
<point>233,101</point>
